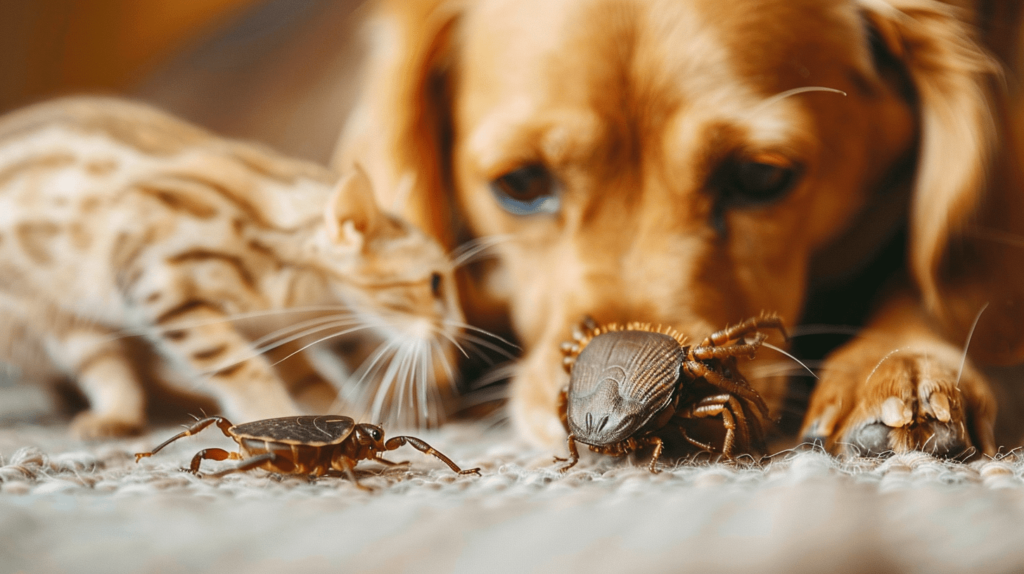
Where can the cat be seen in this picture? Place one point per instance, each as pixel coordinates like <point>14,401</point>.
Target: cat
<point>120,223</point>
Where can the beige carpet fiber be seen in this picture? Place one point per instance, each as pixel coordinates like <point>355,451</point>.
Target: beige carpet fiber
<point>68,506</point>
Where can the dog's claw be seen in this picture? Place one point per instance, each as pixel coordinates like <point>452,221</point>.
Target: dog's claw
<point>896,413</point>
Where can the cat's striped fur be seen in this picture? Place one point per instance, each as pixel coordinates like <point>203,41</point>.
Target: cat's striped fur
<point>117,219</point>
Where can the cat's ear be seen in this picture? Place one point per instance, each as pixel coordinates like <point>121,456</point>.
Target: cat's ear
<point>352,214</point>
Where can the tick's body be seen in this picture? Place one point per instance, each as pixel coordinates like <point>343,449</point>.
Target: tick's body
<point>629,383</point>
<point>306,445</point>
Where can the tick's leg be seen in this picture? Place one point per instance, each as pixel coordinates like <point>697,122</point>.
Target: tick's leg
<point>703,353</point>
<point>658,447</point>
<point>750,424</point>
<point>714,406</point>
<point>222,423</point>
<point>701,371</point>
<point>251,463</point>
<point>574,455</point>
<point>580,333</point>
<point>346,465</point>
<point>563,407</point>
<point>730,432</point>
<point>210,454</point>
<point>701,445</point>
<point>390,463</point>
<point>425,448</point>
<point>734,332</point>
<point>734,410</point>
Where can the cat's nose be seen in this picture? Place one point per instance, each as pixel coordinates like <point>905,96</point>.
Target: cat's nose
<point>435,284</point>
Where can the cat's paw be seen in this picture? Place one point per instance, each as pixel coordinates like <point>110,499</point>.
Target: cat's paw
<point>869,403</point>
<point>90,425</point>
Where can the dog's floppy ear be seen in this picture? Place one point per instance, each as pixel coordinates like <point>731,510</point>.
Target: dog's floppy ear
<point>400,130</point>
<point>951,78</point>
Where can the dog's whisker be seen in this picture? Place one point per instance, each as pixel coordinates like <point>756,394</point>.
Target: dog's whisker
<point>798,361</point>
<point>996,236</point>
<point>967,345</point>
<point>789,93</point>
<point>851,330</point>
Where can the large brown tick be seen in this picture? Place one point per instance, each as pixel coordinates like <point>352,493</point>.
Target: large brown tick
<point>309,445</point>
<point>629,384</point>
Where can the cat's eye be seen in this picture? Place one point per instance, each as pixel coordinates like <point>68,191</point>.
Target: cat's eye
<point>435,284</point>
<point>758,180</point>
<point>527,190</point>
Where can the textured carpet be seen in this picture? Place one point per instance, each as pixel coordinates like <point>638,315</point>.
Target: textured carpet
<point>67,506</point>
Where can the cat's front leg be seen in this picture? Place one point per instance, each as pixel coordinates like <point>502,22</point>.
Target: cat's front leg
<point>184,308</point>
<point>98,363</point>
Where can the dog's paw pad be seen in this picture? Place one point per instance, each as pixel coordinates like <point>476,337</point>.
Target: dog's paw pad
<point>869,440</point>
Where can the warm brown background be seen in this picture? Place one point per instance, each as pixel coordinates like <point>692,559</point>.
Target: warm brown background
<point>282,71</point>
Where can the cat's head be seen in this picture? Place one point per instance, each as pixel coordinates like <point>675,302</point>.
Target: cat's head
<point>399,282</point>
<point>380,264</point>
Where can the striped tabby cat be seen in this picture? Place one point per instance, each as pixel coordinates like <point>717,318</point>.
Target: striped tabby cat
<point>117,220</point>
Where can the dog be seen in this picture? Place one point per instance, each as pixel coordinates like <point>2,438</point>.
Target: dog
<point>695,162</point>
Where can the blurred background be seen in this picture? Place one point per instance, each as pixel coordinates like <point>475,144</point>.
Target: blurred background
<point>281,71</point>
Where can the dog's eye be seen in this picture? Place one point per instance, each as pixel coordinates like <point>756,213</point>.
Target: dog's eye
<point>527,191</point>
<point>761,180</point>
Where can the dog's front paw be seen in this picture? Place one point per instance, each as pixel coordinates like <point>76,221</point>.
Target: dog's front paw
<point>870,402</point>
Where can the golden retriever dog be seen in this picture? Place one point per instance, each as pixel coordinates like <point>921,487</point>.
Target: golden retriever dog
<point>696,162</point>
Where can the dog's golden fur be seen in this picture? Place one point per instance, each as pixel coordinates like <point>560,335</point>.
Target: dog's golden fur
<point>633,109</point>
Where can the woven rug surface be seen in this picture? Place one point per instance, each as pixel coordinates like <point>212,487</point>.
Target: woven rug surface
<point>69,506</point>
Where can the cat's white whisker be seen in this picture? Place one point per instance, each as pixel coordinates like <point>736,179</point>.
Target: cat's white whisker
<point>499,373</point>
<point>158,329</point>
<point>386,382</point>
<point>369,366</point>
<point>468,327</point>
<point>354,392</point>
<point>321,340</point>
<point>402,377</point>
<point>474,340</point>
<point>320,321</point>
<point>424,381</point>
<point>453,341</point>
<point>260,350</point>
<point>437,351</point>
